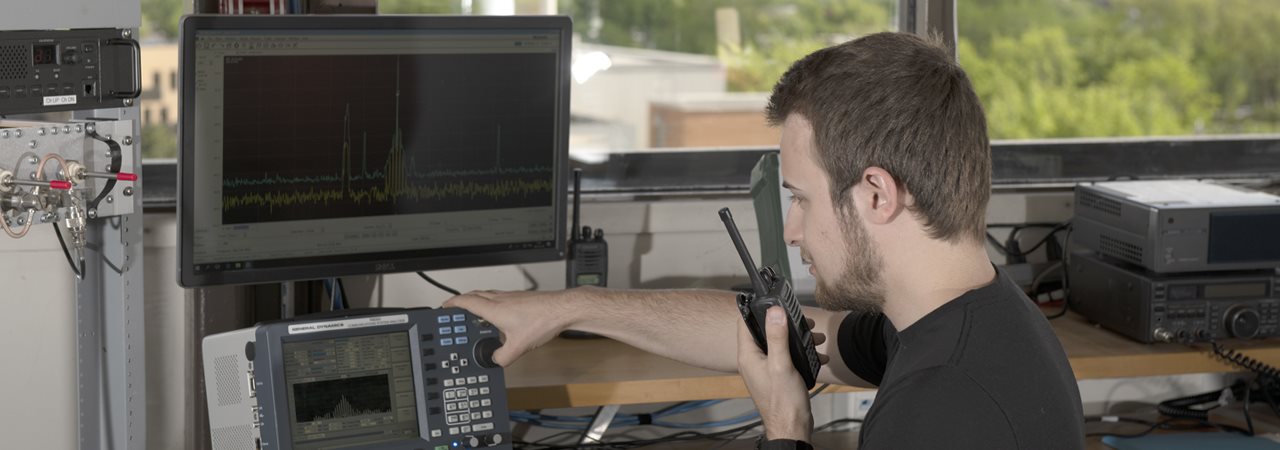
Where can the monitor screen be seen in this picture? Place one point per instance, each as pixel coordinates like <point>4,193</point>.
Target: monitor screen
<point>350,391</point>
<point>315,147</point>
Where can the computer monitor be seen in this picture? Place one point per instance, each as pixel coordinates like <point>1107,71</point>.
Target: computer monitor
<point>323,146</point>
<point>770,201</point>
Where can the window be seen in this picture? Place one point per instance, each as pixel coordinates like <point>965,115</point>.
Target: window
<point>160,56</point>
<point>1077,68</point>
<point>672,73</point>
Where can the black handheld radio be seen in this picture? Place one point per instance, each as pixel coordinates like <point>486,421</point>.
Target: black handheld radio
<point>771,289</point>
<point>588,253</point>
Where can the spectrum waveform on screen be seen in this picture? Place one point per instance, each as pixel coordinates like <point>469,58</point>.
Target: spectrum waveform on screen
<point>398,180</point>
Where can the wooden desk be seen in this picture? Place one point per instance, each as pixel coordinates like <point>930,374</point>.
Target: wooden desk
<point>569,373</point>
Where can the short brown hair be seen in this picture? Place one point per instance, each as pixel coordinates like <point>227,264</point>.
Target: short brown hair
<point>901,103</point>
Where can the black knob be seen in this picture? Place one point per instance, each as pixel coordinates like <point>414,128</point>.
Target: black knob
<point>492,439</point>
<point>70,57</point>
<point>1243,322</point>
<point>472,442</point>
<point>484,352</point>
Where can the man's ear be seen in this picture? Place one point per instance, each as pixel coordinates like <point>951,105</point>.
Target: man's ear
<point>878,196</point>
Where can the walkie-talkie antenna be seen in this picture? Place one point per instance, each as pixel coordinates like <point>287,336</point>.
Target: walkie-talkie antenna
<point>577,193</point>
<point>756,282</point>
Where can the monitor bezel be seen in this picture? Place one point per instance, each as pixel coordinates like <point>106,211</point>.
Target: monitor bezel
<point>192,24</point>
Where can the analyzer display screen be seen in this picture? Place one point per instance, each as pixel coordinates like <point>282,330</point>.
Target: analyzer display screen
<point>350,392</point>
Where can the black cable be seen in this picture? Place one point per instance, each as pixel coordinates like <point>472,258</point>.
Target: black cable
<point>1015,228</point>
<point>112,167</point>
<point>1024,225</point>
<point>1166,424</point>
<point>342,294</point>
<point>438,284</point>
<point>1066,275</point>
<point>57,229</point>
<point>1236,358</point>
<point>1247,391</point>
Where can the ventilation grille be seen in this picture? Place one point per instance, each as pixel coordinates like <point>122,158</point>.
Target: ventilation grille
<point>1119,249</point>
<point>591,258</point>
<point>1100,203</point>
<point>237,437</point>
<point>227,371</point>
<point>14,62</point>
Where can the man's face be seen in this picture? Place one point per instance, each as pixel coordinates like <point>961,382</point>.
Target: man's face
<point>832,239</point>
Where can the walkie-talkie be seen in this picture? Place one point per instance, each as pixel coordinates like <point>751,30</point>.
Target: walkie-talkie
<point>771,289</point>
<point>588,263</point>
<point>588,253</point>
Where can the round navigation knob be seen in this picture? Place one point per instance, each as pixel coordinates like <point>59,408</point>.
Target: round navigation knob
<point>493,439</point>
<point>1243,322</point>
<point>484,352</point>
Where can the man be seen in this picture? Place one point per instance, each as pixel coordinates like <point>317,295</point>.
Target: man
<point>884,148</point>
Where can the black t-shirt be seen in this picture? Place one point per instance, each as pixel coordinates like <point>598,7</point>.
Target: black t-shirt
<point>983,371</point>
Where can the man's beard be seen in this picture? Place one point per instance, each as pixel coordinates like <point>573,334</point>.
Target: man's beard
<point>860,288</point>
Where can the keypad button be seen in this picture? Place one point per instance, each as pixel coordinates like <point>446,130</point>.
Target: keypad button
<point>450,407</point>
<point>474,404</point>
<point>486,402</point>
<point>459,318</point>
<point>460,381</point>
<point>456,370</point>
<point>461,340</point>
<point>471,380</point>
<point>473,392</point>
<point>466,428</point>
<point>442,319</point>
<point>453,356</point>
<point>453,430</point>
<point>448,382</point>
<point>484,378</point>
<point>482,427</point>
<point>459,329</point>
<point>446,341</point>
<point>445,330</point>
<point>445,364</point>
<point>486,414</point>
<point>435,433</point>
<point>484,391</point>
<point>475,416</point>
<point>463,362</point>
<point>449,395</point>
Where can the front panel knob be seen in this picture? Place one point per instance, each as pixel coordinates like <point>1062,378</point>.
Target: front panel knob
<point>1243,322</point>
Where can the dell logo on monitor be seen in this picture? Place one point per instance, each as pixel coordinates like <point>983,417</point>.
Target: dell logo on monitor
<point>384,267</point>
